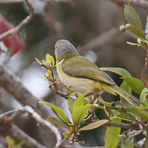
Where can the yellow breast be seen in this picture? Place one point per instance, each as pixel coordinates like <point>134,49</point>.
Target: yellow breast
<point>81,85</point>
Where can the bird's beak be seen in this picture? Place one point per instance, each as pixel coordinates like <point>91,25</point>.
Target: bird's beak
<point>59,63</point>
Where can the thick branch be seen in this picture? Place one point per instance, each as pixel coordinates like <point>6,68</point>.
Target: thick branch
<point>21,25</point>
<point>14,86</point>
<point>138,3</point>
<point>47,127</point>
<point>53,134</point>
<point>17,133</point>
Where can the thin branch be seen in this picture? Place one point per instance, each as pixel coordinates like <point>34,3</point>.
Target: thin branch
<point>100,40</point>
<point>62,95</point>
<point>18,28</point>
<point>138,3</point>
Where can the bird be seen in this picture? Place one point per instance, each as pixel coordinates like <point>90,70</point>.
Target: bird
<point>83,76</point>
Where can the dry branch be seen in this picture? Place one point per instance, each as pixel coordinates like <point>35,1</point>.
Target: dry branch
<point>106,37</point>
<point>18,28</point>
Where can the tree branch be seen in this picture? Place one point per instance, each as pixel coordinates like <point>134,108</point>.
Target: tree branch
<point>53,134</point>
<point>138,3</point>
<point>18,134</point>
<point>100,40</point>
<point>18,28</point>
<point>14,86</point>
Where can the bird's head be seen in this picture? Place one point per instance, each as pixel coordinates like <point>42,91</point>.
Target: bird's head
<point>64,50</point>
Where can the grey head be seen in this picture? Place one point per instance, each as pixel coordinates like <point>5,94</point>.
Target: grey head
<point>64,50</point>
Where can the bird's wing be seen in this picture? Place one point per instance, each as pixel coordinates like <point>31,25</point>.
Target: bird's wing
<point>79,66</point>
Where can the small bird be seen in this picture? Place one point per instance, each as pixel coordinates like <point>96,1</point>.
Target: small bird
<point>83,76</point>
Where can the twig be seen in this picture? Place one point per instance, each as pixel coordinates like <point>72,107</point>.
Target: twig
<point>62,95</point>
<point>100,40</point>
<point>138,3</point>
<point>18,28</point>
<point>8,113</point>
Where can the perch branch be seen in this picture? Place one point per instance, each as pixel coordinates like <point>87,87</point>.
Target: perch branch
<point>18,28</point>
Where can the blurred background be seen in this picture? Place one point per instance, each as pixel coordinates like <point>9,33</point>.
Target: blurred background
<point>91,25</point>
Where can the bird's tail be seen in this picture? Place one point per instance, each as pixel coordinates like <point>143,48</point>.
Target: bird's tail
<point>128,97</point>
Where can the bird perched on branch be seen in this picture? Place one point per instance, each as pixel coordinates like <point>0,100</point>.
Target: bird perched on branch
<point>83,76</point>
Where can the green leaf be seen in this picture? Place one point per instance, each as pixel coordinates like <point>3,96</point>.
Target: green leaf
<point>122,114</point>
<point>112,135</point>
<point>50,59</point>
<point>127,143</point>
<point>70,104</point>
<point>132,16</point>
<point>10,140</point>
<point>93,125</point>
<point>136,84</point>
<point>78,102</point>
<point>144,96</point>
<point>67,134</point>
<point>58,122</point>
<point>59,111</point>
<point>80,113</point>
<point>126,87</point>
<point>105,103</point>
<point>135,30</point>
<point>120,71</point>
<point>137,112</point>
<point>48,74</point>
<point>126,116</point>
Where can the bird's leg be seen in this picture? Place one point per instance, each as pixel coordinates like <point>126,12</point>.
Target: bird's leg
<point>95,97</point>
<point>70,91</point>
